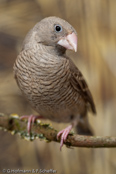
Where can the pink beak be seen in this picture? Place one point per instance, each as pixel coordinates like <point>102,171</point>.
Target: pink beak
<point>69,42</point>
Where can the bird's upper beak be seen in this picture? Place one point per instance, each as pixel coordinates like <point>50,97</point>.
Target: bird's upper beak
<point>69,42</point>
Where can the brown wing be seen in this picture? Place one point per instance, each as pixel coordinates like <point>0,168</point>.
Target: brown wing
<point>79,84</point>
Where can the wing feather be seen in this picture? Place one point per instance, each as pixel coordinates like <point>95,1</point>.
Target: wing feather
<point>79,84</point>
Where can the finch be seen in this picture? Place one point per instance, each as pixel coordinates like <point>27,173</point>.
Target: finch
<point>49,79</point>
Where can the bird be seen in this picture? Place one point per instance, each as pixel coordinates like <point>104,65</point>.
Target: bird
<point>50,81</point>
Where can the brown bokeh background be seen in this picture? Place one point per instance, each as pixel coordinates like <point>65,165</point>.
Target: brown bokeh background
<point>95,22</point>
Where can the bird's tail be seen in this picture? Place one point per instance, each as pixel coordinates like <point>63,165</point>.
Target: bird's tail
<point>83,127</point>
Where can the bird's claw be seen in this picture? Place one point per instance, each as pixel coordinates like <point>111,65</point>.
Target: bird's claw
<point>31,120</point>
<point>63,133</point>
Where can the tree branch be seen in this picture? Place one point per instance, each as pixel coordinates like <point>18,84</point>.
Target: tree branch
<point>13,124</point>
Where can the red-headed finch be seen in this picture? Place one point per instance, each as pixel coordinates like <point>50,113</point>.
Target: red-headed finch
<point>49,79</point>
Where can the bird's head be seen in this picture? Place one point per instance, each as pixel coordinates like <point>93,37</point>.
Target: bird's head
<point>56,32</point>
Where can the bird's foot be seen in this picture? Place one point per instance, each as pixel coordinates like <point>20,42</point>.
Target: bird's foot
<point>31,120</point>
<point>64,133</point>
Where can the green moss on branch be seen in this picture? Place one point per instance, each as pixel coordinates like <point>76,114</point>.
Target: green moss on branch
<point>13,124</point>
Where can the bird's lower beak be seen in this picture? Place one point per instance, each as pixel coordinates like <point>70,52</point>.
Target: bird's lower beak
<point>69,42</point>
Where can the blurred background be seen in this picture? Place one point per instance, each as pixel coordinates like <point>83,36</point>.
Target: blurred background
<point>95,22</point>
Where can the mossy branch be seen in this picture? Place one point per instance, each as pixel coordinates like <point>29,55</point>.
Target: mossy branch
<point>13,124</point>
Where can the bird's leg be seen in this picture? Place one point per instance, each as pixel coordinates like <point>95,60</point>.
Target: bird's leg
<point>64,133</point>
<point>31,119</point>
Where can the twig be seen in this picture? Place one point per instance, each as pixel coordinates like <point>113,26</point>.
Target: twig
<point>13,124</point>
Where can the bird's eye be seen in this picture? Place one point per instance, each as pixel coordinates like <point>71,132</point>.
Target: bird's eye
<point>58,28</point>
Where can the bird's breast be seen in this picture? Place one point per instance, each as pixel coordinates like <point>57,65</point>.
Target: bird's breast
<point>45,82</point>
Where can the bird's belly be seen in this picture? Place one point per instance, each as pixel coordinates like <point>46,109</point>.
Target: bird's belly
<point>57,104</point>
<point>51,95</point>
